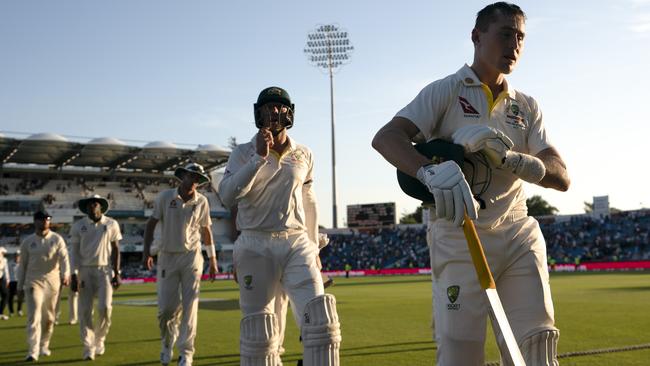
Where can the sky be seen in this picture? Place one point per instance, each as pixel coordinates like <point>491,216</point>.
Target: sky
<point>189,72</point>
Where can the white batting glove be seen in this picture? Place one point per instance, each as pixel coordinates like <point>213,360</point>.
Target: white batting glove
<point>450,190</point>
<point>476,137</point>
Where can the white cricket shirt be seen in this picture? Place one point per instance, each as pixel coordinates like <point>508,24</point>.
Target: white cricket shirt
<point>268,191</point>
<point>180,220</point>
<point>461,99</point>
<point>42,257</point>
<point>91,241</point>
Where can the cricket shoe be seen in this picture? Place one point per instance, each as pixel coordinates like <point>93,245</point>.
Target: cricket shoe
<point>166,354</point>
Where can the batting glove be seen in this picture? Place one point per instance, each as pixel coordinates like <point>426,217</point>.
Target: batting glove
<point>450,190</point>
<point>475,138</point>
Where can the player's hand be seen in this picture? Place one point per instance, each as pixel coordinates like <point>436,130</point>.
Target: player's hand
<point>475,138</point>
<point>213,268</point>
<point>450,190</point>
<point>66,281</point>
<point>74,283</point>
<point>323,240</point>
<point>148,262</point>
<point>116,281</point>
<point>264,142</point>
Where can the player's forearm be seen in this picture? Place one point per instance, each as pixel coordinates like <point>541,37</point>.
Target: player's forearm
<point>393,142</point>
<point>556,176</point>
<point>235,185</point>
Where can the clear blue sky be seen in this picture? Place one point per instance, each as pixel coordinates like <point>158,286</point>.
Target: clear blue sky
<point>189,72</point>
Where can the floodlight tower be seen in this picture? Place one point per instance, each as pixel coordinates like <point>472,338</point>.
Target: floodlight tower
<point>328,47</point>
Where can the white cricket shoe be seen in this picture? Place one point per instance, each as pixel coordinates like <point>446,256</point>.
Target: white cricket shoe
<point>45,351</point>
<point>3,317</point>
<point>166,354</point>
<point>184,361</point>
<point>89,355</point>
<point>100,349</point>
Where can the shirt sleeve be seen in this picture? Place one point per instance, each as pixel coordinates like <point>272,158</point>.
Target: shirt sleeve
<point>75,247</point>
<point>117,233</point>
<point>309,203</point>
<point>205,213</point>
<point>429,106</point>
<point>158,206</point>
<point>22,268</point>
<point>239,176</point>
<point>537,137</point>
<point>64,262</point>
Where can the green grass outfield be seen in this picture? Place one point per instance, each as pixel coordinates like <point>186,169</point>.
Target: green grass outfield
<point>385,321</point>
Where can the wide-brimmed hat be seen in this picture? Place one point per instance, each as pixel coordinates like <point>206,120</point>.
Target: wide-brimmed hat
<point>83,203</point>
<point>193,168</point>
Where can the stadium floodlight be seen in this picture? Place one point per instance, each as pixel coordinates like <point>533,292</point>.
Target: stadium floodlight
<point>329,48</point>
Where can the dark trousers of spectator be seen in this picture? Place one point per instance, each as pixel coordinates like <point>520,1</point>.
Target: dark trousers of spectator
<point>13,291</point>
<point>3,294</point>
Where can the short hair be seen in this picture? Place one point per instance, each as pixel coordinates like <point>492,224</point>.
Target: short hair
<point>490,13</point>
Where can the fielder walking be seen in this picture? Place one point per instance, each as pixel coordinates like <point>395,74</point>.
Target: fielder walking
<point>185,217</point>
<point>43,268</point>
<point>270,181</point>
<point>478,109</point>
<point>96,263</point>
<point>4,283</point>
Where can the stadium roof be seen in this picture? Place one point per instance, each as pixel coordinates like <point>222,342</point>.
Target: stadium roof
<point>109,153</point>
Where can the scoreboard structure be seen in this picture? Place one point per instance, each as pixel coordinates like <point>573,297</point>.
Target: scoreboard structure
<point>372,215</point>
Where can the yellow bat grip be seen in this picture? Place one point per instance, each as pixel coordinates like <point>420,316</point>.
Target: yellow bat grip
<point>478,256</point>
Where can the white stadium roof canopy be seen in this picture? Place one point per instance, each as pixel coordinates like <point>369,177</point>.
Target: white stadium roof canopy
<point>108,153</point>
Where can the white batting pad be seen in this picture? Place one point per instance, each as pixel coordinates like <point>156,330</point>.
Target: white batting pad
<point>258,342</point>
<point>321,332</point>
<point>541,348</point>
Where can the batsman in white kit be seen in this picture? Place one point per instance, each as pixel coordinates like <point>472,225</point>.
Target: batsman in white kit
<point>185,217</point>
<point>44,266</point>
<point>95,241</point>
<point>505,144</point>
<point>270,179</point>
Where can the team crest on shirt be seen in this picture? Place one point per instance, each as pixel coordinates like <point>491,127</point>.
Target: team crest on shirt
<point>468,108</point>
<point>32,245</point>
<point>173,204</point>
<point>248,282</point>
<point>83,229</point>
<point>515,117</point>
<point>452,294</point>
<point>295,158</point>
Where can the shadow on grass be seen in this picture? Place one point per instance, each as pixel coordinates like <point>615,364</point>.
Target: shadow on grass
<point>291,358</point>
<point>629,289</point>
<point>342,282</point>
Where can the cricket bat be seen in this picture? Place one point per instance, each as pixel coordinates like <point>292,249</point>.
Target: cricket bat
<point>487,283</point>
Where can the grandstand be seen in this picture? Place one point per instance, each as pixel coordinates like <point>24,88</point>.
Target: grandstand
<point>48,171</point>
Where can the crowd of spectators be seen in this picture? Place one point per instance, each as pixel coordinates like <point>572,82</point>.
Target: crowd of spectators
<point>623,236</point>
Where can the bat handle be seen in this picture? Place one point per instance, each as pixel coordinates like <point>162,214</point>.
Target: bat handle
<point>478,255</point>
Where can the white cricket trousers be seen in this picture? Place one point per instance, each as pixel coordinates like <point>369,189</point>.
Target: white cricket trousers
<point>516,254</point>
<point>41,296</point>
<point>268,261</point>
<point>94,282</point>
<point>178,282</point>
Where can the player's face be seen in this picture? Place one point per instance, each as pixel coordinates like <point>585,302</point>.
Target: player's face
<point>94,210</point>
<point>501,46</point>
<point>42,224</point>
<point>274,117</point>
<point>190,181</point>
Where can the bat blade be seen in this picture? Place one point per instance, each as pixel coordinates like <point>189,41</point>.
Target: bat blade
<point>504,327</point>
